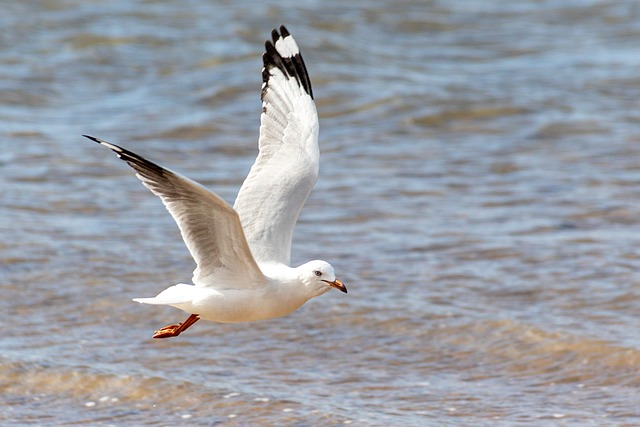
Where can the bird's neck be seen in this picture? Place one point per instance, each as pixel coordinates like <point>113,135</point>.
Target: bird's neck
<point>287,283</point>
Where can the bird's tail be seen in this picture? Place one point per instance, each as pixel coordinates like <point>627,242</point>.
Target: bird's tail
<point>176,294</point>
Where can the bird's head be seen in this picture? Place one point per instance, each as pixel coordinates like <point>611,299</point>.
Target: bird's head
<point>320,275</point>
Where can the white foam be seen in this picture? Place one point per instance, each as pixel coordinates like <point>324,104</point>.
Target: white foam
<point>233,394</point>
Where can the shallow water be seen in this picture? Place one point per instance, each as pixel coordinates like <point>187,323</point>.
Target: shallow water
<point>478,195</point>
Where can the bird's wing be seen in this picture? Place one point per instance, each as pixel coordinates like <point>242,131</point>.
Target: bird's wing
<point>286,169</point>
<point>209,226</point>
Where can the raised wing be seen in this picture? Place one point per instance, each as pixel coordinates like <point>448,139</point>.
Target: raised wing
<point>209,226</point>
<point>286,169</point>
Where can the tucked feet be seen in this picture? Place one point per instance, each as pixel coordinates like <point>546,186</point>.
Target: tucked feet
<point>175,330</point>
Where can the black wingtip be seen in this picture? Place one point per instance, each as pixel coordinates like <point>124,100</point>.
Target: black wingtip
<point>93,138</point>
<point>139,163</point>
<point>291,66</point>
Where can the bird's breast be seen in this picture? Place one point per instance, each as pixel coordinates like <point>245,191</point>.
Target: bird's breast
<point>244,305</point>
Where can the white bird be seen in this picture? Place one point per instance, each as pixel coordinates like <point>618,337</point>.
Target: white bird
<point>243,252</point>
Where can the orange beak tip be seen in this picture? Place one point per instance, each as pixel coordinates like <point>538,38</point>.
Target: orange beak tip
<point>339,286</point>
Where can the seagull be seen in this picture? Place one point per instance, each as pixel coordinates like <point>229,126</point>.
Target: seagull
<point>242,253</point>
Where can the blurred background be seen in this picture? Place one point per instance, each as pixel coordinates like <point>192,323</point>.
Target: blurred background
<point>478,195</point>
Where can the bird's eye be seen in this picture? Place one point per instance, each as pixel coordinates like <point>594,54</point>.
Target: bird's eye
<point>317,273</point>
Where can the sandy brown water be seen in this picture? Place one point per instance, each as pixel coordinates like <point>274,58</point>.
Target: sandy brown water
<point>478,195</point>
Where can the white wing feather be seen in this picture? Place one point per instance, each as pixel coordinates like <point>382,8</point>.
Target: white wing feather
<point>209,226</point>
<point>283,175</point>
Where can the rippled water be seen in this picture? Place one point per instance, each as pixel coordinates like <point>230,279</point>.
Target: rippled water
<point>478,195</point>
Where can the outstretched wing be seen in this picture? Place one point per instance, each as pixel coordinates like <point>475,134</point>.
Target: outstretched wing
<point>209,226</point>
<point>286,169</point>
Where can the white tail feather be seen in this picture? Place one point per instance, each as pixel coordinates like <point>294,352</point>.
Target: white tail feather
<point>177,294</point>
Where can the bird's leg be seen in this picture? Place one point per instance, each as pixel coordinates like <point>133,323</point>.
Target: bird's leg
<point>175,330</point>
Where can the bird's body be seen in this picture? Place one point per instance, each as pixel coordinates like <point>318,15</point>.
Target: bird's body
<point>242,252</point>
<point>283,293</point>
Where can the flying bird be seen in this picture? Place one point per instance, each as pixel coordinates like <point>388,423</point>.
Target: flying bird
<point>242,253</point>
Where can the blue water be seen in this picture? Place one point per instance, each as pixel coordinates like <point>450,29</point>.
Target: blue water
<point>478,195</point>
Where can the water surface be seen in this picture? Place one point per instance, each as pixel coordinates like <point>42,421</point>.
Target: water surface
<point>478,195</point>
